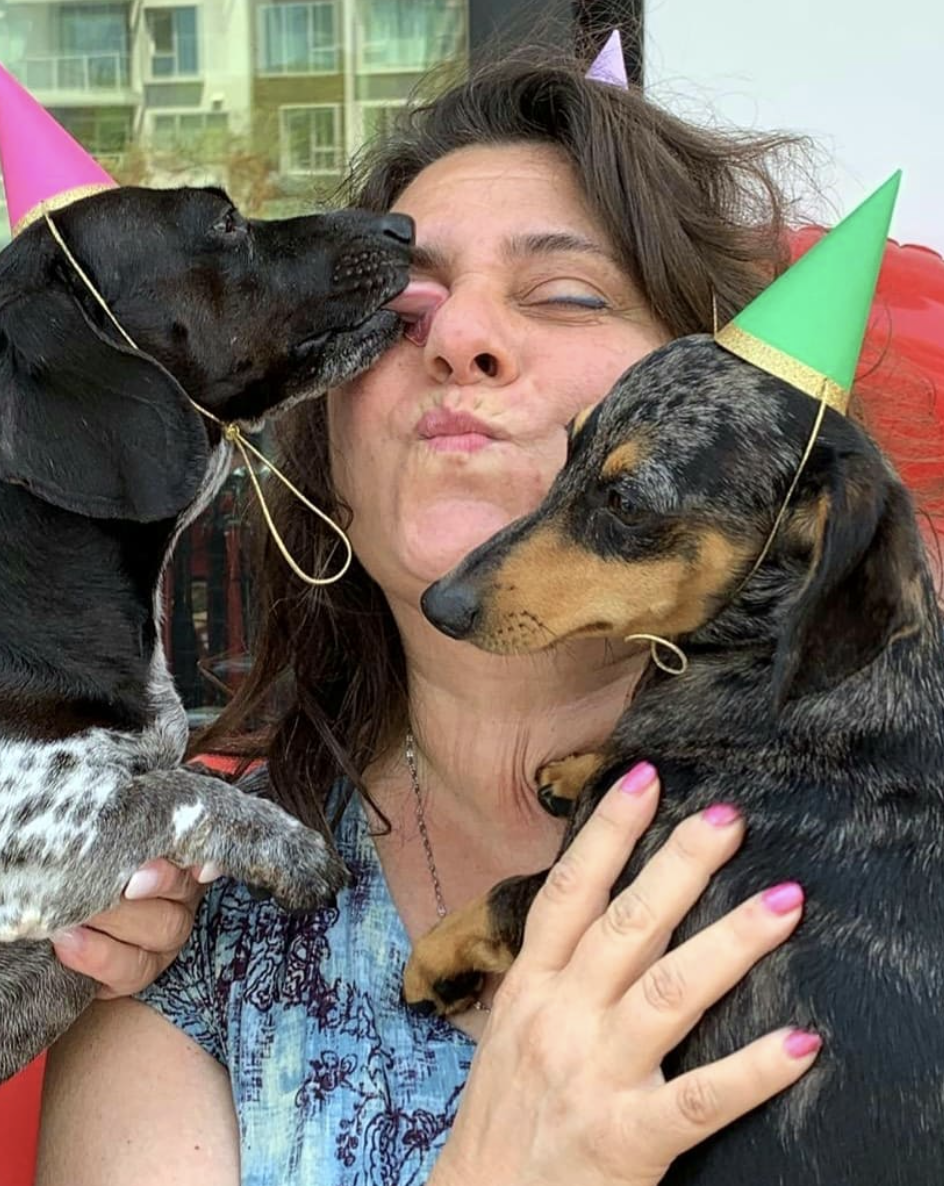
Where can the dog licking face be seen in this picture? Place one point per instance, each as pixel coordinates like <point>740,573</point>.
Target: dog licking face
<point>103,460</point>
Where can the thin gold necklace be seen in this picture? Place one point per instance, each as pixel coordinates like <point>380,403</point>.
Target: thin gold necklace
<point>441,908</point>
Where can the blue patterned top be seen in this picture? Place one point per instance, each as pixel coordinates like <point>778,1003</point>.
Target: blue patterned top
<point>335,1082</point>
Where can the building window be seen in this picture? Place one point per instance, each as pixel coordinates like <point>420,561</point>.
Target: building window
<point>378,119</point>
<point>299,38</point>
<point>207,129</point>
<point>80,47</point>
<point>310,139</point>
<point>394,36</point>
<point>173,42</point>
<point>105,131</point>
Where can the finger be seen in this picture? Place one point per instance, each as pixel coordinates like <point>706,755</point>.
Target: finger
<point>667,1001</point>
<point>121,968</point>
<point>636,927</point>
<point>156,924</point>
<point>161,879</point>
<point>692,1107</point>
<point>578,886</point>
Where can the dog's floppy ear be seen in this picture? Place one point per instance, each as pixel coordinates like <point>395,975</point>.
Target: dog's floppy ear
<point>861,591</point>
<point>87,423</point>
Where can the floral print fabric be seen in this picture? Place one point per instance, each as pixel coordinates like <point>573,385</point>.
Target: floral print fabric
<point>335,1082</point>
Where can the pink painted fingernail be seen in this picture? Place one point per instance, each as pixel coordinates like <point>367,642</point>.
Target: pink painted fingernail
<point>781,899</point>
<point>720,814</point>
<point>209,872</point>
<point>642,775</point>
<point>801,1043</point>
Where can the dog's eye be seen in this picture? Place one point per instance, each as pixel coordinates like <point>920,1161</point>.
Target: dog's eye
<point>617,506</point>
<point>232,223</point>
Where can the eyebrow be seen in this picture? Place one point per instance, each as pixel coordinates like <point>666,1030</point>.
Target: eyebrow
<point>429,257</point>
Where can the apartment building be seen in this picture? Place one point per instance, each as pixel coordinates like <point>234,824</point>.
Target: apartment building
<point>267,97</point>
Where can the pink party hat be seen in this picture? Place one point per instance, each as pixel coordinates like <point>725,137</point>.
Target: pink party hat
<point>609,65</point>
<point>43,167</point>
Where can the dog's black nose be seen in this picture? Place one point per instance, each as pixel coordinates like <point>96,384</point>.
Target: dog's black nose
<point>451,607</point>
<point>398,226</point>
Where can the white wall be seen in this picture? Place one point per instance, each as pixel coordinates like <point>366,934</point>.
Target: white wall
<point>864,77</point>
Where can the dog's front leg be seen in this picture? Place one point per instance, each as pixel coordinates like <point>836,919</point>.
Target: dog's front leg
<point>196,819</point>
<point>449,963</point>
<point>560,782</point>
<point>39,1000</point>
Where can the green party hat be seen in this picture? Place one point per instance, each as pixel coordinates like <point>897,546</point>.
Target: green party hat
<point>807,327</point>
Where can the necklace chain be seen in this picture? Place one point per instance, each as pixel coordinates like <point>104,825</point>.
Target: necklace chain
<point>410,748</point>
<point>441,909</point>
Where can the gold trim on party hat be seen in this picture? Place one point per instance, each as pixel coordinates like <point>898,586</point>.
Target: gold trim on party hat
<point>777,362</point>
<point>807,327</point>
<point>57,202</point>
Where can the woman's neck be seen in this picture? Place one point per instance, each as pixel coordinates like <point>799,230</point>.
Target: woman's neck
<point>485,724</point>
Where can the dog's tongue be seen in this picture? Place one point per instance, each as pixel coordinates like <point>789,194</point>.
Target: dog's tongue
<point>416,306</point>
<point>417,299</point>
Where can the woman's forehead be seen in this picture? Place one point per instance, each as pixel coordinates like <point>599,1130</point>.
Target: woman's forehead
<point>506,192</point>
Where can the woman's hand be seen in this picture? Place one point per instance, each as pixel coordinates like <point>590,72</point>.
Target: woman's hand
<point>128,947</point>
<point>566,1084</point>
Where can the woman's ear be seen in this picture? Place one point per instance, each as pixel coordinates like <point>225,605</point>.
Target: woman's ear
<point>860,593</point>
<point>87,423</point>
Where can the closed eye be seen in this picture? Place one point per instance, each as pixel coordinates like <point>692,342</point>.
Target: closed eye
<point>581,302</point>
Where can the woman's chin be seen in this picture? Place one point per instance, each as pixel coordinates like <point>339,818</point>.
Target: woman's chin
<point>436,540</point>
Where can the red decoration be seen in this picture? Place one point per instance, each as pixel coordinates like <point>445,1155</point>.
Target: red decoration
<point>19,1125</point>
<point>900,378</point>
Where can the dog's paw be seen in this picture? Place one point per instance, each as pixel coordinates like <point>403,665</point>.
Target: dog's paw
<point>275,855</point>
<point>560,782</point>
<point>299,869</point>
<point>448,965</point>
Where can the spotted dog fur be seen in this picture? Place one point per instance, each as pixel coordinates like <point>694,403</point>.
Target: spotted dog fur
<point>103,462</point>
<point>814,699</point>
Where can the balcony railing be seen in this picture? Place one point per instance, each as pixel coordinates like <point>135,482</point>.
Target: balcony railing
<point>75,72</point>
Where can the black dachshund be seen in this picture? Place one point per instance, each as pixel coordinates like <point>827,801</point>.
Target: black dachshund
<point>103,461</point>
<point>814,699</point>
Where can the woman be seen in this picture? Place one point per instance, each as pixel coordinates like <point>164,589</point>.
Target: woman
<point>564,229</point>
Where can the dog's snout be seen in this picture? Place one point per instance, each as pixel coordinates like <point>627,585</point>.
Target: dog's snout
<point>399,227</point>
<point>452,607</point>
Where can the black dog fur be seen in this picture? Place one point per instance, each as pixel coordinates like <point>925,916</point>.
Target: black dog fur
<point>814,700</point>
<point>103,461</point>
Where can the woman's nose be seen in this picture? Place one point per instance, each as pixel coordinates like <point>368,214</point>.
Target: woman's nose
<point>469,341</point>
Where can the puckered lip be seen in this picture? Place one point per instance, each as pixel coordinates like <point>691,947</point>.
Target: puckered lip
<point>452,422</point>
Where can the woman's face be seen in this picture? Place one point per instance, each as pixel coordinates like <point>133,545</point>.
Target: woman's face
<point>441,444</point>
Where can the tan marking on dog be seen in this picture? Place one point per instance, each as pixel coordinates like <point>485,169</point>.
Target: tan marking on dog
<point>568,776</point>
<point>912,596</point>
<point>807,524</point>
<point>580,420</point>
<point>463,942</point>
<point>623,459</point>
<point>550,588</point>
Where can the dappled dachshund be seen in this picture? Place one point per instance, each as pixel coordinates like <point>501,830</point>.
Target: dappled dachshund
<point>103,461</point>
<point>814,699</point>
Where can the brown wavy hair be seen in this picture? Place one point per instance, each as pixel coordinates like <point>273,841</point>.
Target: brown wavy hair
<point>694,215</point>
